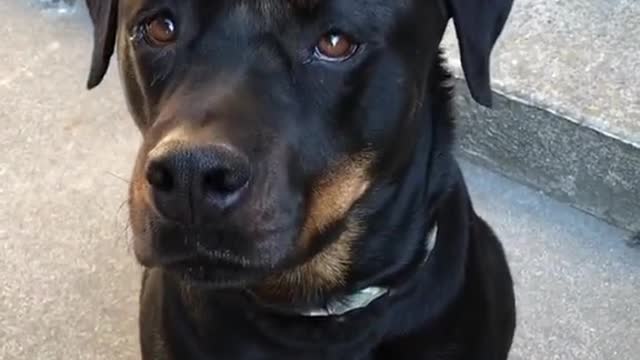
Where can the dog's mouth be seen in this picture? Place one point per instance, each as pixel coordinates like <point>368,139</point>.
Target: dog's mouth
<point>216,257</point>
<point>215,269</point>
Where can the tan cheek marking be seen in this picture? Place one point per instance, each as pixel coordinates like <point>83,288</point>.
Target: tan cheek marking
<point>332,198</point>
<point>138,197</point>
<point>139,201</point>
<point>335,193</point>
<point>326,271</point>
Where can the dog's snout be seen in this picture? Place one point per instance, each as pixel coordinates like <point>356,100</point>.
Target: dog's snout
<point>190,184</point>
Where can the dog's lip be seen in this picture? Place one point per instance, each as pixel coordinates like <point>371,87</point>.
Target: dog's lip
<point>198,262</point>
<point>207,272</point>
<point>194,252</point>
<point>190,229</point>
<point>210,260</point>
<point>198,255</point>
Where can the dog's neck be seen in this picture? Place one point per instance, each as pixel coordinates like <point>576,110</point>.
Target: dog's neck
<point>409,196</point>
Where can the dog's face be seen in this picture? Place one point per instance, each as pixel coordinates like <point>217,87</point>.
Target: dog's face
<point>266,123</point>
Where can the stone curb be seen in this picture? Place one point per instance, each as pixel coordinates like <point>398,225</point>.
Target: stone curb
<point>571,162</point>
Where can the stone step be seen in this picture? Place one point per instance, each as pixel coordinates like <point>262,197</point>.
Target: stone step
<point>566,118</point>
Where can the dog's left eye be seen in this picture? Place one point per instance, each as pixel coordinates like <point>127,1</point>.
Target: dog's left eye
<point>335,46</point>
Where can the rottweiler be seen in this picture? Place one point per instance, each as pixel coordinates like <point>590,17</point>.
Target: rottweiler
<point>295,195</point>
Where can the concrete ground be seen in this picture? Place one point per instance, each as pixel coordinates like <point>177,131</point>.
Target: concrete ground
<point>68,287</point>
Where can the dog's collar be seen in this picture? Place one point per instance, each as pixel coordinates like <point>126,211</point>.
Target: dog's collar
<point>342,305</point>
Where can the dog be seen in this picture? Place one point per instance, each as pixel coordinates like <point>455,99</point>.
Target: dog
<point>295,195</point>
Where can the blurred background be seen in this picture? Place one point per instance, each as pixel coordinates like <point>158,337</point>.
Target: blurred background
<point>555,168</point>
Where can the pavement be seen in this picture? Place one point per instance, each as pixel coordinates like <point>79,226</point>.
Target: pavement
<point>69,281</point>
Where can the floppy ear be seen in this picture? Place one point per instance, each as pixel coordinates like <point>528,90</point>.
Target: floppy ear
<point>478,24</point>
<point>104,14</point>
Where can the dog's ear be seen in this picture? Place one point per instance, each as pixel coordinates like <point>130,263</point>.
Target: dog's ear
<point>104,15</point>
<point>478,24</point>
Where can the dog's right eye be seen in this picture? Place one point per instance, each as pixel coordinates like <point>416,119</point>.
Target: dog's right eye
<point>335,46</point>
<point>160,31</point>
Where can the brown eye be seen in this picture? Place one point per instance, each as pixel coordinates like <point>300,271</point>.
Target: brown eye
<point>335,47</point>
<point>160,31</point>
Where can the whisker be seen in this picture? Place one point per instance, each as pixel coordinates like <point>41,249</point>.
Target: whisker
<point>119,177</point>
<point>124,233</point>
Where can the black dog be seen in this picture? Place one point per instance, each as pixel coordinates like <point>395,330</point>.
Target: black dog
<point>295,196</point>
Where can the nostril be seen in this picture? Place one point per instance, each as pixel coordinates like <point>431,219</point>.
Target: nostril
<point>215,181</point>
<point>160,177</point>
<point>224,181</point>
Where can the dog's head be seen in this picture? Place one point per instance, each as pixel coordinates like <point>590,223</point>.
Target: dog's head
<point>267,123</point>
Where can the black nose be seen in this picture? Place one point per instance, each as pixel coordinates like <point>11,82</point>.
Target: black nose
<point>193,185</point>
